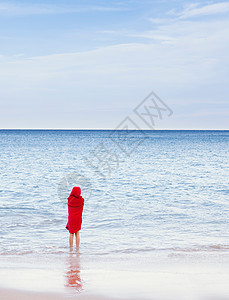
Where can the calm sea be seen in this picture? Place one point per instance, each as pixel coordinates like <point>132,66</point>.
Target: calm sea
<point>145,191</point>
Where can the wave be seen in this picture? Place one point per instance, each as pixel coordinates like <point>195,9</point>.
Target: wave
<point>169,250</point>
<point>200,248</point>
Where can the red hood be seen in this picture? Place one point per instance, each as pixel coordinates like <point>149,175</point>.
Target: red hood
<point>76,191</point>
<point>75,199</point>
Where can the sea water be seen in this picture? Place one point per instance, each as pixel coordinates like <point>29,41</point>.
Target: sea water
<point>145,192</point>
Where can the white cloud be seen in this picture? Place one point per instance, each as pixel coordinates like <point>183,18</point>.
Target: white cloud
<point>197,52</point>
<point>3,6</point>
<point>158,20</point>
<point>195,10</point>
<point>192,66</point>
<point>150,34</point>
<point>154,35</point>
<point>37,9</point>
<point>184,61</point>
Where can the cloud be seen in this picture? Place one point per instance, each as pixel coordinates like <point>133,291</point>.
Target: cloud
<point>184,61</point>
<point>12,9</point>
<point>158,20</point>
<point>191,67</point>
<point>180,53</point>
<point>194,10</point>
<point>154,35</point>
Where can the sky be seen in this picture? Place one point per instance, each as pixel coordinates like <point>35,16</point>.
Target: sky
<point>89,64</point>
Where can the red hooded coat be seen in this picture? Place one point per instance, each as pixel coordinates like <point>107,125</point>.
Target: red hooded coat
<point>75,210</point>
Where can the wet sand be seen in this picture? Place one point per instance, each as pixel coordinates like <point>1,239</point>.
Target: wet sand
<point>180,278</point>
<point>7,294</point>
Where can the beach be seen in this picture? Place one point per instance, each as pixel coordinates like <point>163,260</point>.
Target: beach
<point>114,160</point>
<point>188,275</point>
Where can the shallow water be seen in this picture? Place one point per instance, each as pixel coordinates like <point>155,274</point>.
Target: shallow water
<point>155,191</point>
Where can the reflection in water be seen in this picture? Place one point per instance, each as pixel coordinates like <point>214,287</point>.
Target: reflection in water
<point>73,279</point>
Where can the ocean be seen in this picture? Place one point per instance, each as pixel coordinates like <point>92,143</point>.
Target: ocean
<point>169,192</point>
<point>147,193</point>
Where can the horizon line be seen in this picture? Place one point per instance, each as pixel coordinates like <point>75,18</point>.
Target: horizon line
<point>153,129</point>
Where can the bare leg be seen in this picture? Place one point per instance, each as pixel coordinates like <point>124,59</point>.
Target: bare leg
<point>77,239</point>
<point>71,240</point>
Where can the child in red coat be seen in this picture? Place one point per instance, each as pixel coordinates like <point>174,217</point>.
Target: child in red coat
<point>75,210</point>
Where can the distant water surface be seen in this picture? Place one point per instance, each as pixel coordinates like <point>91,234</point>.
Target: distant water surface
<point>145,192</point>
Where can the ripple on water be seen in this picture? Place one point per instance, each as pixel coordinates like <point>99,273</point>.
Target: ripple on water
<point>169,193</point>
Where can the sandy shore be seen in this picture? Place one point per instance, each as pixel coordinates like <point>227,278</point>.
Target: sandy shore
<point>7,294</point>
<point>117,278</point>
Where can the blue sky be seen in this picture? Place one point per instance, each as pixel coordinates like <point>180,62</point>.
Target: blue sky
<point>88,64</point>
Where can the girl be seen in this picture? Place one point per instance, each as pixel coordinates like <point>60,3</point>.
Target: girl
<point>75,210</point>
